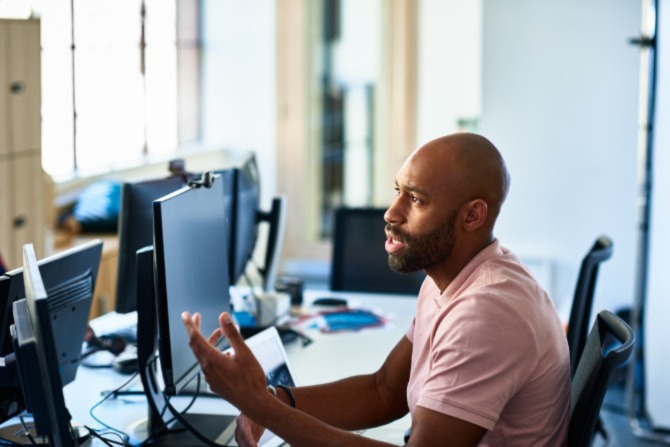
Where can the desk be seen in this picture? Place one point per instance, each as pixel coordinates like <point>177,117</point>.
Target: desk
<point>329,357</point>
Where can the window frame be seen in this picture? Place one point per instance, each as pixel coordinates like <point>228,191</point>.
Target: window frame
<point>395,123</point>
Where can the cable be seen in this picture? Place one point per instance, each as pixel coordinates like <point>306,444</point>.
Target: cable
<point>182,420</point>
<point>27,430</point>
<point>123,435</point>
<point>165,428</point>
<point>95,434</point>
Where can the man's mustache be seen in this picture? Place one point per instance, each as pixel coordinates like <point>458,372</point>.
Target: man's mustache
<point>397,234</point>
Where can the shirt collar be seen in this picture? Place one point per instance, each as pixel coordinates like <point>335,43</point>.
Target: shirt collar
<point>490,251</point>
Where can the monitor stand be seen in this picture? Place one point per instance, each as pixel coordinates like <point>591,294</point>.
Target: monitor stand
<point>219,429</point>
<point>20,435</point>
<point>161,425</point>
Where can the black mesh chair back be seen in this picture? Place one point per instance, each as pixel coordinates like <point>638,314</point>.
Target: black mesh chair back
<point>359,261</point>
<point>609,345</point>
<point>582,303</point>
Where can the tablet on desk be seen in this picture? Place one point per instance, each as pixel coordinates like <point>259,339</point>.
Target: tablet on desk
<point>269,350</point>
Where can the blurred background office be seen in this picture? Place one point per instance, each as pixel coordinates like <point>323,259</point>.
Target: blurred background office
<point>332,95</point>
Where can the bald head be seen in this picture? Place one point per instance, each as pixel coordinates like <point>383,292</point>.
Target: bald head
<point>448,197</point>
<point>469,166</point>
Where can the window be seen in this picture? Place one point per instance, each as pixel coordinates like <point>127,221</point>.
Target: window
<point>347,113</point>
<point>110,75</point>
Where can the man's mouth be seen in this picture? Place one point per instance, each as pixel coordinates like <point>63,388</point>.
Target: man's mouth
<point>393,245</point>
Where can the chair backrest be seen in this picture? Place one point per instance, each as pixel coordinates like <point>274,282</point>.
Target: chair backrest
<point>609,344</point>
<point>359,261</point>
<point>582,302</point>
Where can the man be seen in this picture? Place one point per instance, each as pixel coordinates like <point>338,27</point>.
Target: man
<point>485,361</point>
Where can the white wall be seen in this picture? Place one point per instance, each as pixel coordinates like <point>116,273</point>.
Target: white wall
<point>239,82</point>
<point>449,65</point>
<point>560,96</point>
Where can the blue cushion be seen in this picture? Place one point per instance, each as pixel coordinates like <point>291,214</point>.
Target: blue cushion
<point>97,207</point>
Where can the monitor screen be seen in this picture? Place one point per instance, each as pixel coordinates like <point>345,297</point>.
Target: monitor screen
<point>246,208</point>
<point>136,231</point>
<point>42,345</point>
<point>190,252</point>
<point>360,261</point>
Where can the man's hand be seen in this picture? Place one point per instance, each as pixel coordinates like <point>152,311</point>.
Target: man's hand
<point>247,432</point>
<point>237,377</point>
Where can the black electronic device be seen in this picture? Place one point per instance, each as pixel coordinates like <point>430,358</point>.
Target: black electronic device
<point>228,177</point>
<point>136,231</point>
<point>330,301</point>
<point>190,254</point>
<point>360,262</point>
<point>247,203</point>
<point>66,275</point>
<point>47,334</point>
<point>69,273</point>
<point>244,217</point>
<point>11,396</point>
<point>276,221</point>
<point>111,343</point>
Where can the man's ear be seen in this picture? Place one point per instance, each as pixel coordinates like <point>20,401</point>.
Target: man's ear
<point>476,212</point>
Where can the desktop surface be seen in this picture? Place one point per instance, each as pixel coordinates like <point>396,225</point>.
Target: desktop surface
<point>331,356</point>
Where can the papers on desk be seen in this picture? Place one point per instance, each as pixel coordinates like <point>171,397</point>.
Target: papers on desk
<point>342,319</point>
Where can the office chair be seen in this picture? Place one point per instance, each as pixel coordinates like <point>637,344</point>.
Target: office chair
<point>609,345</point>
<point>359,261</point>
<point>582,302</point>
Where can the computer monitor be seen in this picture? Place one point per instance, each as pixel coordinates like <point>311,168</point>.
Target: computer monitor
<point>247,203</point>
<point>360,262</point>
<point>276,220</point>
<point>243,217</point>
<point>190,254</point>
<point>136,231</point>
<point>11,396</point>
<point>68,275</point>
<point>47,335</point>
<point>229,178</point>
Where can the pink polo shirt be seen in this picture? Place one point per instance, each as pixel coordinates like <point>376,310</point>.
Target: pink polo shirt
<point>491,350</point>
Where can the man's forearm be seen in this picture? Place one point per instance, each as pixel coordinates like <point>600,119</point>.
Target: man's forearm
<point>300,429</point>
<point>361,401</point>
<point>352,404</point>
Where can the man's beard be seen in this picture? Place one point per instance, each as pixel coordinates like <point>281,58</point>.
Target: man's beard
<point>422,252</point>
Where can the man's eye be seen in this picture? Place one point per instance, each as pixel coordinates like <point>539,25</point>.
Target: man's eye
<point>415,199</point>
<point>397,191</point>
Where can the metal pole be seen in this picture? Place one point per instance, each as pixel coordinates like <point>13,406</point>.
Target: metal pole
<point>635,389</point>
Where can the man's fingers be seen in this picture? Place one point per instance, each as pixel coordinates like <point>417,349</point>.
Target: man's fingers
<point>215,336</point>
<point>244,435</point>
<point>196,338</point>
<point>188,322</point>
<point>231,332</point>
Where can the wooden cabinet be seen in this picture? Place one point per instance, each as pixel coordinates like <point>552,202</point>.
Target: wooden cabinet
<point>24,187</point>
